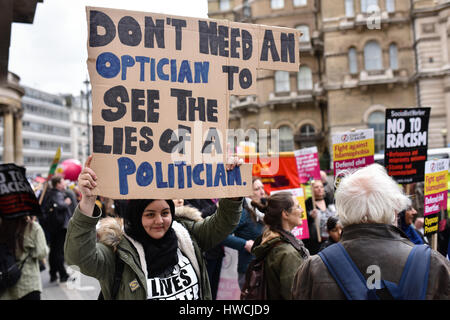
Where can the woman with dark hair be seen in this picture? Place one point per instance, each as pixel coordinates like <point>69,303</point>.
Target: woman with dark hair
<point>25,239</point>
<point>283,253</point>
<point>160,249</point>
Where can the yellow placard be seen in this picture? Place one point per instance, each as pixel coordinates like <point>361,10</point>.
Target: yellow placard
<point>435,182</point>
<point>355,149</point>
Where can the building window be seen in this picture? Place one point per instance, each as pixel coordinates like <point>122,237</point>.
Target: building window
<point>277,4</point>
<point>224,5</point>
<point>299,3</point>
<point>368,6</point>
<point>286,139</point>
<point>373,57</point>
<point>393,56</point>
<point>304,29</point>
<point>390,6</point>
<point>377,122</point>
<point>349,8</point>
<point>304,79</point>
<point>282,81</point>
<point>352,61</point>
<point>307,130</point>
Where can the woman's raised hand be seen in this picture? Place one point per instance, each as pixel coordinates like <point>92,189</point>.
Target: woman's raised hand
<point>86,184</point>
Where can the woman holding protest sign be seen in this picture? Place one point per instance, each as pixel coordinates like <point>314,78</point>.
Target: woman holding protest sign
<point>277,246</point>
<point>159,254</point>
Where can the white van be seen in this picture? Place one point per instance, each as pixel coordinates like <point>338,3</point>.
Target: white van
<point>438,153</point>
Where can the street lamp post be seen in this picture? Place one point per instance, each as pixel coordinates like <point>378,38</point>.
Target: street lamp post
<point>86,82</point>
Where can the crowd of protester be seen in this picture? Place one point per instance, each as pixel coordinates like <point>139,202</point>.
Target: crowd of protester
<point>152,240</point>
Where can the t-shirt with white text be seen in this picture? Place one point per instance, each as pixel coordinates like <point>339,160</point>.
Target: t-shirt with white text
<point>180,284</point>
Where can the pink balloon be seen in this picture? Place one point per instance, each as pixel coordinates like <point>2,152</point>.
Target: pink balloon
<point>71,169</point>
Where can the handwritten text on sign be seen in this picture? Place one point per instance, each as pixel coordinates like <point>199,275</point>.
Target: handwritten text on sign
<point>161,87</point>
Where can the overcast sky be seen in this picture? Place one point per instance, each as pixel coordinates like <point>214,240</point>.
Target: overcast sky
<point>51,53</point>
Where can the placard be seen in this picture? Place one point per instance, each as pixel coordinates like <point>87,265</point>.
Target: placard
<point>435,195</point>
<point>352,150</point>
<point>17,197</point>
<point>160,94</point>
<point>308,166</point>
<point>301,231</point>
<point>406,144</point>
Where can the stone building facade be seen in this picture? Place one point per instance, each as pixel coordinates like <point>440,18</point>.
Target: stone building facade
<point>358,57</point>
<point>292,102</point>
<point>432,40</point>
<point>370,62</point>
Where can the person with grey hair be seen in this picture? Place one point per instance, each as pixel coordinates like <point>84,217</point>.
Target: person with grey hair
<point>367,203</point>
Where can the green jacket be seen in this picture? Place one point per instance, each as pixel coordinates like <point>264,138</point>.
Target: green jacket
<point>97,258</point>
<point>281,263</point>
<point>35,247</point>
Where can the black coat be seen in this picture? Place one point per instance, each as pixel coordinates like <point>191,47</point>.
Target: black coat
<point>56,213</point>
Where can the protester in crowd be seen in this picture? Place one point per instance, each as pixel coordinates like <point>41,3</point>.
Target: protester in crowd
<point>249,228</point>
<point>70,193</point>
<point>328,187</point>
<point>405,223</point>
<point>418,225</point>
<point>214,256</point>
<point>323,210</point>
<point>283,253</point>
<point>334,227</point>
<point>56,208</point>
<point>24,238</point>
<point>418,199</point>
<point>162,253</point>
<point>444,233</point>
<point>368,202</point>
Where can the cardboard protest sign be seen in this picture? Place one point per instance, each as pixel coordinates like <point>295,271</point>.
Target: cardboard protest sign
<point>352,150</point>
<point>435,195</point>
<point>406,143</point>
<point>302,231</point>
<point>308,166</point>
<point>17,197</point>
<point>161,87</point>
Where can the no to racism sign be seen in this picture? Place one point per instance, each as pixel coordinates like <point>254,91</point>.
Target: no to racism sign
<point>17,197</point>
<point>406,143</point>
<point>161,87</point>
